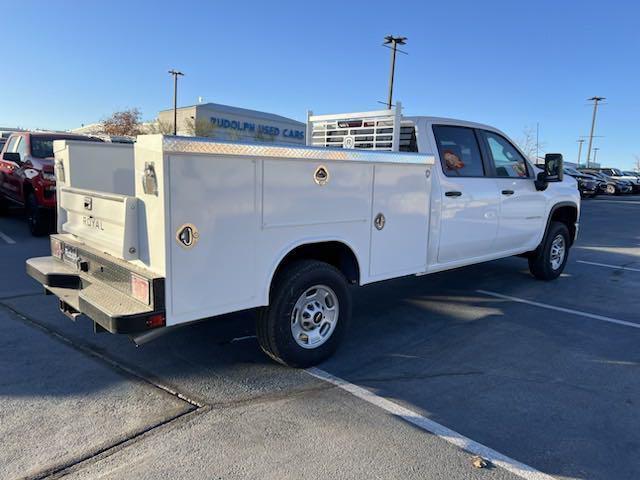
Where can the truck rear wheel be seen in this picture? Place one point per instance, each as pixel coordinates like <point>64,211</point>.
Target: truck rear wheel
<point>309,311</point>
<point>548,261</point>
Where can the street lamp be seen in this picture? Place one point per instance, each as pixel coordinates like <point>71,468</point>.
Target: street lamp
<point>175,74</point>
<point>595,101</point>
<point>392,42</point>
<point>580,142</point>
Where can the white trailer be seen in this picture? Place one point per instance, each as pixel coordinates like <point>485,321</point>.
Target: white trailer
<point>213,227</point>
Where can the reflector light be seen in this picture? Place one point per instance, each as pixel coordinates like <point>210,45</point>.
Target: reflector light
<point>140,288</point>
<point>156,320</point>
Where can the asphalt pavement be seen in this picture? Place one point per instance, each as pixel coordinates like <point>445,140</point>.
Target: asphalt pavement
<point>541,378</point>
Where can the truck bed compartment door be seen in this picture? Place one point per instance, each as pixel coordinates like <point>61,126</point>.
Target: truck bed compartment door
<point>399,223</point>
<point>107,221</point>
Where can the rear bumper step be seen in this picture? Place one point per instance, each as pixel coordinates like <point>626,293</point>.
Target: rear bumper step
<point>113,310</point>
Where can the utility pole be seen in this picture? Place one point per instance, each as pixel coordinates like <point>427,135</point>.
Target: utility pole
<point>394,42</point>
<point>595,153</point>
<point>595,101</point>
<point>580,142</point>
<point>175,74</point>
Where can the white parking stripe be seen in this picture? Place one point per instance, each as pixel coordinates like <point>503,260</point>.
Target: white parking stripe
<point>7,238</point>
<point>627,202</point>
<point>442,432</point>
<point>617,267</point>
<point>602,318</point>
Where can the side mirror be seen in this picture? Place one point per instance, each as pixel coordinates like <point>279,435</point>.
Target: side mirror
<point>11,157</point>
<point>553,167</point>
<point>553,171</point>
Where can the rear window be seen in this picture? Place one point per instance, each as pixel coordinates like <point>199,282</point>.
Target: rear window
<point>42,147</point>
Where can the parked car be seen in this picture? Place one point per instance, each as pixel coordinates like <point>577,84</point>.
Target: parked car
<point>611,186</point>
<point>631,173</point>
<point>618,174</point>
<point>27,177</point>
<point>588,185</point>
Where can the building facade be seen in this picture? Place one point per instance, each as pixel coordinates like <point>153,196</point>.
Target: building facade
<point>234,124</point>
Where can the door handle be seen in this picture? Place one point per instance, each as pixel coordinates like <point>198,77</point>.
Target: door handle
<point>452,194</point>
<point>508,192</point>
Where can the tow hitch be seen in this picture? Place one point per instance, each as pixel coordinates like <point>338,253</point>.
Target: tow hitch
<point>68,310</point>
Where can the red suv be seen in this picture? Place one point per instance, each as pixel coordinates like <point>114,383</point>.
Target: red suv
<point>27,177</point>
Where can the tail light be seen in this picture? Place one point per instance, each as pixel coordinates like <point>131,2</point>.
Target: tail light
<point>57,248</point>
<point>157,320</point>
<point>140,288</point>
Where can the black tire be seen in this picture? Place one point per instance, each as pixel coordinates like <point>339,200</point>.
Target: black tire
<point>274,323</point>
<point>37,218</point>
<point>540,262</point>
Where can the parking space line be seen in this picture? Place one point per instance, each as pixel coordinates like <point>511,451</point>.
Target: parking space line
<point>7,238</point>
<point>626,202</point>
<point>602,318</point>
<point>517,468</point>
<point>617,267</point>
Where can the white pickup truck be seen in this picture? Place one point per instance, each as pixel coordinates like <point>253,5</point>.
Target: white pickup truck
<point>175,230</point>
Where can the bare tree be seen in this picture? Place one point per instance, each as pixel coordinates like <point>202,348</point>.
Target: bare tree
<point>200,127</point>
<point>527,143</point>
<point>164,128</point>
<point>125,122</point>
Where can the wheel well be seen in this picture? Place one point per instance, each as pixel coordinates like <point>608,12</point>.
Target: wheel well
<point>334,253</point>
<point>568,215</point>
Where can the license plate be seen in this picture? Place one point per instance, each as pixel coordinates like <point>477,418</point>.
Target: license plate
<point>70,255</point>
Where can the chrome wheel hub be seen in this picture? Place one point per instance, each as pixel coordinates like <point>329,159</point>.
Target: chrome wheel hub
<point>314,316</point>
<point>558,251</point>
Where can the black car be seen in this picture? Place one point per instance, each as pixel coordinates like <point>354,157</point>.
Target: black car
<point>588,185</point>
<point>611,186</point>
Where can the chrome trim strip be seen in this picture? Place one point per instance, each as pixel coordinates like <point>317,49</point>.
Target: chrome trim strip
<point>172,144</point>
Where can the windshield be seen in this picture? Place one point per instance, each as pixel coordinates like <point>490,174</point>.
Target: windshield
<point>571,171</point>
<point>42,147</point>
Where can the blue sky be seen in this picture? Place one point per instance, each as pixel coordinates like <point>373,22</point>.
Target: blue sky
<point>509,63</point>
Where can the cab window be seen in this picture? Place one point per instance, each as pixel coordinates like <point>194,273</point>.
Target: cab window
<point>11,143</point>
<point>22,148</point>
<point>507,161</point>
<point>459,151</point>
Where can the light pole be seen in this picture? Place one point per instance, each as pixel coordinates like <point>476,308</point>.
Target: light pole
<point>580,142</point>
<point>595,101</point>
<point>595,153</point>
<point>175,74</point>
<point>394,41</point>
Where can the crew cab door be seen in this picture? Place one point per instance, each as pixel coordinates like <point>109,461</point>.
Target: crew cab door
<point>469,198</point>
<point>522,207</point>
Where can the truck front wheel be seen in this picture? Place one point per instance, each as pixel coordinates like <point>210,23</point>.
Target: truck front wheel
<point>309,311</point>
<point>548,261</point>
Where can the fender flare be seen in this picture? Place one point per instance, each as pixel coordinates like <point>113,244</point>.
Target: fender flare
<point>555,207</point>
